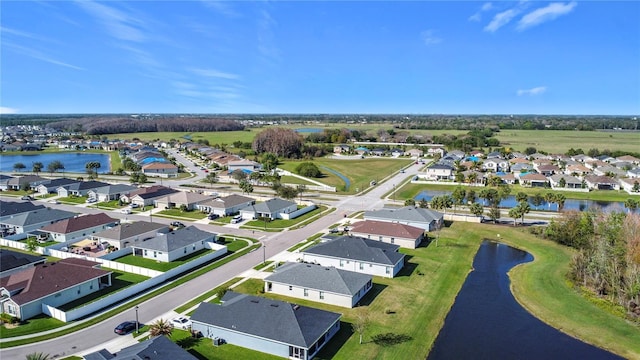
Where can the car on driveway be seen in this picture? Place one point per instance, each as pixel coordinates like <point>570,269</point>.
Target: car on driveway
<point>177,224</point>
<point>125,328</point>
<point>213,216</point>
<point>181,322</point>
<point>54,201</point>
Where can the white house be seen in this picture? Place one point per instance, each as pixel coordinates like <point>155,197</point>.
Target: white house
<point>80,227</point>
<point>406,236</point>
<point>110,192</point>
<point>274,327</point>
<point>439,172</point>
<point>425,219</point>
<point>273,209</point>
<point>632,186</point>
<point>225,206</point>
<point>327,285</point>
<point>33,220</point>
<point>357,254</point>
<point>174,245</point>
<point>128,234</point>
<point>160,169</point>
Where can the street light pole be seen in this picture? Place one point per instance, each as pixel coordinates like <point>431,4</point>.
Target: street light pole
<point>137,323</point>
<point>264,253</point>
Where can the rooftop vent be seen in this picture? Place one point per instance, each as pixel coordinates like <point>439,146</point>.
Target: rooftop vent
<point>254,301</point>
<point>274,305</point>
<point>296,307</point>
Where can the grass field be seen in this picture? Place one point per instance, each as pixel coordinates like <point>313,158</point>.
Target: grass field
<point>359,172</point>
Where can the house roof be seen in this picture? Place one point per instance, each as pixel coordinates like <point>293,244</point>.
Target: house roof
<point>387,229</point>
<point>155,348</point>
<point>243,162</point>
<point>184,197</point>
<point>321,278</point>
<point>67,226</point>
<point>16,181</point>
<point>548,168</point>
<point>115,189</point>
<point>272,205</point>
<point>360,249</point>
<point>439,166</point>
<point>159,165</point>
<point>578,168</point>
<point>567,178</point>
<point>594,179</point>
<point>155,193</point>
<point>407,213</point>
<point>86,185</point>
<point>533,177</point>
<point>13,259</point>
<point>55,183</point>
<point>176,239</point>
<point>228,201</point>
<point>38,216</point>
<point>296,325</point>
<point>628,158</point>
<point>8,208</point>
<point>125,231</point>
<point>45,279</point>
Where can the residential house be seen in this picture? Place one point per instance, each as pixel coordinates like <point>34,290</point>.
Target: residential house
<point>593,164</point>
<point>361,150</point>
<point>160,169</point>
<point>13,261</point>
<point>357,254</point>
<point>533,180</point>
<point>521,167</point>
<point>127,234</point>
<point>154,348</point>
<point>608,171</point>
<point>605,158</point>
<point>405,236</point>
<point>538,156</point>
<point>271,326</point>
<point>439,172</point>
<point>245,165</point>
<point>339,149</point>
<point>629,158</point>
<point>396,152</point>
<point>148,195</point>
<point>190,200</point>
<point>570,182</point>
<point>433,151</point>
<point>495,165</point>
<point>623,165</point>
<point>458,154</point>
<point>110,192</point>
<point>21,182</point>
<point>518,160</point>
<point>541,162</point>
<point>634,173</point>
<point>12,208</point>
<point>312,282</point>
<point>426,219</point>
<point>632,186</point>
<point>78,228</point>
<point>51,186</point>
<point>414,153</point>
<point>582,158</point>
<point>4,179</point>
<point>174,245</point>
<point>508,178</point>
<point>272,209</point>
<point>548,170</point>
<point>34,220</point>
<point>80,189</point>
<point>577,170</point>
<point>379,152</point>
<point>596,182</point>
<point>225,206</point>
<point>24,293</point>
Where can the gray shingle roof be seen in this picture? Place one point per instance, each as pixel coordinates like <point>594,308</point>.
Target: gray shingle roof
<point>115,189</point>
<point>8,208</point>
<point>359,249</point>
<point>318,277</point>
<point>272,205</point>
<point>13,259</point>
<point>38,216</point>
<point>176,239</point>
<point>266,318</point>
<point>407,213</point>
<point>86,185</point>
<point>156,348</point>
<point>125,231</point>
<point>228,201</point>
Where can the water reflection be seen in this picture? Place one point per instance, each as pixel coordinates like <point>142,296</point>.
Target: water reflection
<point>486,322</point>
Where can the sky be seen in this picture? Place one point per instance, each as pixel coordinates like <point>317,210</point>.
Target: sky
<point>414,57</point>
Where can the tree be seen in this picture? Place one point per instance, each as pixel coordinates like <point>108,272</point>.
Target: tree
<point>409,202</point>
<point>360,324</point>
<point>308,169</point>
<point>287,192</point>
<point>491,196</point>
<point>560,198</point>
<point>537,199</point>
<point>530,150</point>
<point>239,175</point>
<point>18,166</point>
<point>211,178</point>
<point>472,178</point>
<point>470,196</point>
<point>31,244</point>
<point>423,203</point>
<point>37,356</point>
<point>550,198</point>
<point>521,196</point>
<point>631,204</point>
<point>37,167</point>
<point>301,188</point>
<point>160,327</point>
<point>514,213</point>
<point>476,209</point>
<point>92,167</point>
<point>458,196</point>
<point>459,177</point>
<point>55,166</point>
<point>562,182</point>
<point>494,213</point>
<point>245,186</point>
<point>279,141</point>
<point>269,162</point>
<point>138,177</point>
<point>523,209</point>
<point>636,186</point>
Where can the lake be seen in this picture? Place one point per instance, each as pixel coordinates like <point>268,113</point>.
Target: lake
<point>309,130</point>
<point>510,201</point>
<point>72,161</point>
<point>486,322</point>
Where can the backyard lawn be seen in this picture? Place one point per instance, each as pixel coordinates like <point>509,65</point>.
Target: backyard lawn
<point>280,224</point>
<point>159,265</point>
<point>203,348</point>
<point>358,172</point>
<point>119,281</point>
<point>188,215</point>
<point>73,200</point>
<point>113,204</point>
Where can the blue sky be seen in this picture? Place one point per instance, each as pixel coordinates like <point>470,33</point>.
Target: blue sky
<point>417,57</point>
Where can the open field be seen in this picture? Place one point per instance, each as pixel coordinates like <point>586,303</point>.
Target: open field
<point>359,172</point>
<point>419,303</point>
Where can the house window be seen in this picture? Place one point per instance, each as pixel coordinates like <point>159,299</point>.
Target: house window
<point>368,236</point>
<point>185,250</point>
<point>91,287</point>
<point>341,263</point>
<point>290,288</point>
<point>380,238</point>
<point>361,266</point>
<point>387,270</point>
<point>393,241</point>
<point>155,254</point>
<point>57,295</point>
<point>296,353</point>
<point>11,309</point>
<point>306,292</point>
<point>321,293</point>
<point>194,247</point>
<point>202,242</point>
<point>78,291</point>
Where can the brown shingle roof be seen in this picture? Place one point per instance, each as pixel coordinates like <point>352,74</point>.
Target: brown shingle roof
<point>159,165</point>
<point>387,229</point>
<point>49,278</point>
<point>78,223</point>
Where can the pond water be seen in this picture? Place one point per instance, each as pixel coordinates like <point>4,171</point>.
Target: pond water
<point>344,178</point>
<point>309,130</point>
<point>72,161</point>
<point>509,202</point>
<point>486,322</point>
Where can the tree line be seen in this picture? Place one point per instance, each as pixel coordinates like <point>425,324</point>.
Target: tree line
<point>123,124</point>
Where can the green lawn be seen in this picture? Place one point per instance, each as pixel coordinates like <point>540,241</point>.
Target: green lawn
<point>195,301</point>
<point>360,172</point>
<point>203,348</point>
<point>73,200</point>
<point>192,215</point>
<point>119,281</point>
<point>280,224</point>
<point>262,265</point>
<point>113,204</point>
<point>159,265</point>
<point>559,141</point>
<point>294,180</point>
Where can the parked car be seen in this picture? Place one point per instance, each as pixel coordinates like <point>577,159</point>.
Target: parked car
<point>334,231</point>
<point>91,200</point>
<point>54,201</point>
<point>181,322</point>
<point>125,211</point>
<point>213,216</point>
<point>125,328</point>
<point>177,224</point>
<point>133,206</point>
<point>236,219</point>
<point>27,197</point>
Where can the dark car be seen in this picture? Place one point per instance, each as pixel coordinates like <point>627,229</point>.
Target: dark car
<point>213,216</point>
<point>125,328</point>
<point>177,224</point>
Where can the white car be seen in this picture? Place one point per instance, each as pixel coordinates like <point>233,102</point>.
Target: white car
<point>181,322</point>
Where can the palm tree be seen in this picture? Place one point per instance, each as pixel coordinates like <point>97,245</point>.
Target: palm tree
<point>524,209</point>
<point>521,196</point>
<point>631,204</point>
<point>38,356</point>
<point>211,178</point>
<point>18,166</point>
<point>161,327</point>
<point>560,198</point>
<point>37,167</point>
<point>476,209</point>
<point>92,167</point>
<point>514,213</point>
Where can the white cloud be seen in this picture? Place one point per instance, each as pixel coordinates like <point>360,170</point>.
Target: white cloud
<point>221,7</point>
<point>429,37</point>
<point>501,19</point>
<point>478,15</point>
<point>213,73</point>
<point>118,24</point>
<point>533,91</point>
<point>547,13</point>
<point>39,56</point>
<point>487,6</point>
<point>8,110</point>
